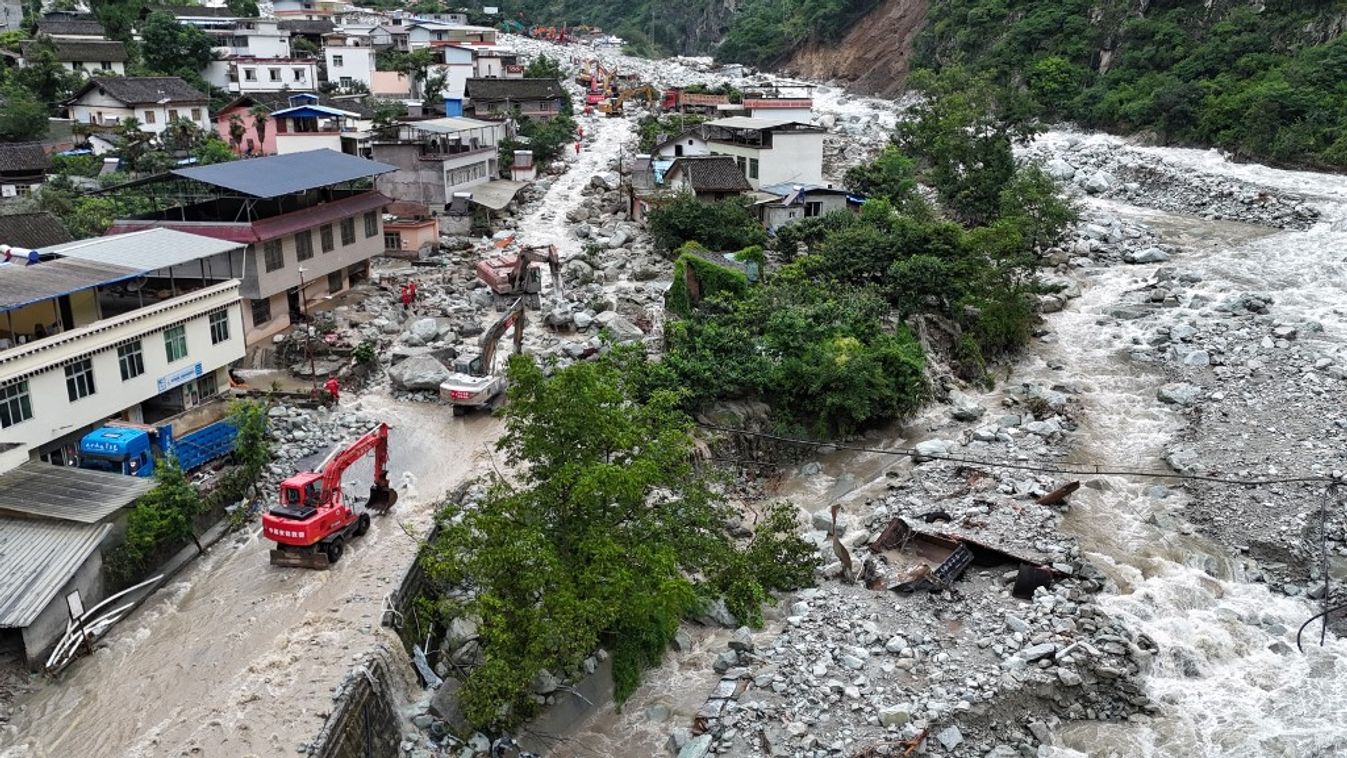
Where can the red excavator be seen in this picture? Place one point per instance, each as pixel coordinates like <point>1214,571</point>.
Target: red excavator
<point>314,519</point>
<point>514,276</point>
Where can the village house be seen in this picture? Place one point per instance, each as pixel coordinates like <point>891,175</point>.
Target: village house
<point>303,29</point>
<point>60,25</point>
<point>499,98</point>
<point>350,60</point>
<point>436,158</point>
<point>309,221</point>
<point>422,33</point>
<point>768,151</point>
<point>410,231</point>
<point>154,101</point>
<point>781,103</point>
<point>250,75</point>
<point>709,177</point>
<point>90,336</point>
<point>350,133</point>
<point>23,168</point>
<point>34,231</point>
<point>782,204</point>
<point>92,57</point>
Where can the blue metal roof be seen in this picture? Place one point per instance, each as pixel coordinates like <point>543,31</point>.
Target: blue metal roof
<point>276,175</point>
<point>312,111</point>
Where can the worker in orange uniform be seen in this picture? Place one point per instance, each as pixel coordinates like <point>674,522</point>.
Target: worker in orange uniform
<point>333,389</point>
<point>412,287</point>
<point>577,147</point>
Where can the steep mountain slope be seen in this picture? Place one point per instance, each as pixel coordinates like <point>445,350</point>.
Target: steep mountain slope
<point>875,55</point>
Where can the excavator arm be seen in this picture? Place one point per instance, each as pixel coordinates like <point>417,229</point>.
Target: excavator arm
<point>541,254</point>
<point>515,316</point>
<point>334,468</point>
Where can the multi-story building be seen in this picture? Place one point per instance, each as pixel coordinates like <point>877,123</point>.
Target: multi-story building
<point>535,98</point>
<point>350,60</point>
<point>769,151</point>
<point>309,221</point>
<point>154,101</point>
<point>343,122</point>
<point>245,75</point>
<point>438,157</point>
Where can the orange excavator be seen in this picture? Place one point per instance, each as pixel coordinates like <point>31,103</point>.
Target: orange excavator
<point>314,519</point>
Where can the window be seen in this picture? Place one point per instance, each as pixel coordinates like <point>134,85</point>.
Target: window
<point>812,209</point>
<point>196,114</point>
<point>219,327</point>
<point>346,82</point>
<point>752,168</point>
<point>299,74</point>
<point>131,360</point>
<point>15,405</point>
<point>273,256</point>
<point>105,65</point>
<point>392,240</point>
<point>348,231</point>
<point>743,164</point>
<point>77,65</point>
<point>325,235</point>
<point>149,117</point>
<point>304,245</point>
<point>250,74</point>
<point>173,115</point>
<point>175,343</point>
<point>467,174</point>
<point>261,311</point>
<point>334,281</point>
<point>337,61</point>
<point>207,386</point>
<point>371,224</point>
<point>79,379</point>
<point>274,74</point>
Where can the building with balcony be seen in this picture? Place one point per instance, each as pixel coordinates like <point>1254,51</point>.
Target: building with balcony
<point>356,123</point>
<point>435,158</point>
<point>309,125</point>
<point>154,101</point>
<point>310,222</point>
<point>769,151</point>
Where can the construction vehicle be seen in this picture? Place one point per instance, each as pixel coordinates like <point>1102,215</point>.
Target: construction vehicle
<point>515,276</point>
<point>314,519</point>
<point>132,449</point>
<point>614,106</point>
<point>678,100</point>
<point>475,383</point>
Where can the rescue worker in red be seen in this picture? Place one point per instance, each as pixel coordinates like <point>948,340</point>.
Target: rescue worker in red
<point>406,298</point>
<point>333,389</point>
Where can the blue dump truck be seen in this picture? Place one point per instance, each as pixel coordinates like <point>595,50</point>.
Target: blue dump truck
<point>132,450</point>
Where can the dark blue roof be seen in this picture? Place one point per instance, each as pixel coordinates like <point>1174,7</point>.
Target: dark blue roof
<point>277,175</point>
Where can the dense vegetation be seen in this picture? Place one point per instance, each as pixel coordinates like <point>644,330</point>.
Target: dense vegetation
<point>827,339</point>
<point>608,538</point>
<point>1264,81</point>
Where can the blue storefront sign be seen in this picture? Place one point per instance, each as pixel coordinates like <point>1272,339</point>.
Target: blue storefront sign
<point>181,376</point>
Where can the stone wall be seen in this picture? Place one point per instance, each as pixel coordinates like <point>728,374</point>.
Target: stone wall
<point>365,721</point>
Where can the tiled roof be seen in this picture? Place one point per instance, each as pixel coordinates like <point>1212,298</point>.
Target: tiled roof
<point>32,230</point>
<point>138,90</point>
<point>23,156</point>
<point>195,11</point>
<point>514,89</point>
<point>60,26</point>
<point>90,50</point>
<point>711,173</point>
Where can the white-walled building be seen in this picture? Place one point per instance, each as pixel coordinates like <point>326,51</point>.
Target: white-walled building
<point>769,151</point>
<point>350,59</point>
<point>155,101</point>
<point>92,57</point>
<point>270,74</point>
<point>437,157</point>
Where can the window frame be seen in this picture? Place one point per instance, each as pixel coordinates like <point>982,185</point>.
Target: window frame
<point>131,359</point>
<point>304,245</point>
<point>15,398</point>
<point>175,337</point>
<point>79,375</point>
<point>348,225</point>
<point>268,248</point>
<point>327,241</point>
<point>218,321</point>
<point>371,223</point>
<point>260,304</point>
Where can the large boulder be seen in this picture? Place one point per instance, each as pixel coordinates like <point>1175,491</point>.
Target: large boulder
<point>1098,182</point>
<point>422,331</point>
<point>419,372</point>
<point>1179,393</point>
<point>1059,169</point>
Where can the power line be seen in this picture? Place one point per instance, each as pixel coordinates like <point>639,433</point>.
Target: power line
<point>1040,467</point>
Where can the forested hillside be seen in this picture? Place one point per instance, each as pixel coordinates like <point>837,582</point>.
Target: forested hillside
<point>1266,80</point>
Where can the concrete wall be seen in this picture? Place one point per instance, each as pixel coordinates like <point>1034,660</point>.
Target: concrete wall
<point>792,159</point>
<point>364,722</point>
<point>249,145</point>
<point>416,180</point>
<point>297,75</point>
<point>357,64</point>
<point>41,364</point>
<point>40,636</point>
<point>298,142</point>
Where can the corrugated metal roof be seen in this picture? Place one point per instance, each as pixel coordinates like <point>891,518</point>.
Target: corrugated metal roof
<point>267,228</point>
<point>147,249</point>
<point>22,285</point>
<point>744,122</point>
<point>37,558</point>
<point>277,175</point>
<point>449,125</point>
<point>496,194</point>
<point>302,111</point>
<point>68,494</point>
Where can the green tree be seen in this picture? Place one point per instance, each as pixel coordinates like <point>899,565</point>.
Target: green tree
<point>43,76</point>
<point>237,131</point>
<point>962,133</point>
<point>243,8</point>
<point>23,117</point>
<point>160,521</point>
<point>1033,198</point>
<point>174,49</point>
<point>608,540</point>
<point>543,67</point>
<point>212,149</point>
<point>890,175</point>
<point>722,226</point>
<point>260,114</point>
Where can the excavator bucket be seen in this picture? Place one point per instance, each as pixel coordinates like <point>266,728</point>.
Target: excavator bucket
<point>296,559</point>
<point>381,498</point>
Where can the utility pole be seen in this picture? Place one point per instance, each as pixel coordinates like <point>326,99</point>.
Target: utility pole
<point>308,336</point>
